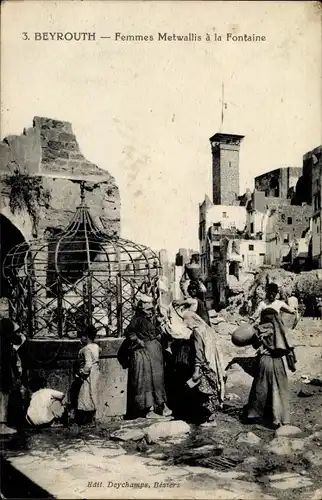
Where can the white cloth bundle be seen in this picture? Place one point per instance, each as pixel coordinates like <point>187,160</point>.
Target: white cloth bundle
<point>178,328</point>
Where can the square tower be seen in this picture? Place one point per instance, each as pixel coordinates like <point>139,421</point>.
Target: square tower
<point>225,167</point>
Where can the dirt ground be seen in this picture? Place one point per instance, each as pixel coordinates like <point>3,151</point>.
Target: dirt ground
<point>244,465</point>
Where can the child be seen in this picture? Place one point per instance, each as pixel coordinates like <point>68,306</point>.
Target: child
<point>46,405</point>
<point>88,373</point>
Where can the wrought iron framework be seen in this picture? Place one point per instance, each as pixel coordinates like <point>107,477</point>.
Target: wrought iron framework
<point>79,276</point>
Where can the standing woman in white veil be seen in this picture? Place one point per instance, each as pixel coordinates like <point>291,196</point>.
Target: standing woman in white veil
<point>207,364</point>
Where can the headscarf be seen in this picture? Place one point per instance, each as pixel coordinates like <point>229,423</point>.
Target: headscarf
<point>144,306</point>
<point>178,329</point>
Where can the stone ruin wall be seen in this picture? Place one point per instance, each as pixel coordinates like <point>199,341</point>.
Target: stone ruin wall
<point>50,149</point>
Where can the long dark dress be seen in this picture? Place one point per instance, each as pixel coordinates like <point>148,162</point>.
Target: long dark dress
<point>146,386</point>
<point>184,402</point>
<point>269,395</point>
<point>180,396</point>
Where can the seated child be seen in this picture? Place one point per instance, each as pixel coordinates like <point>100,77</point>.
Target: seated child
<point>46,405</point>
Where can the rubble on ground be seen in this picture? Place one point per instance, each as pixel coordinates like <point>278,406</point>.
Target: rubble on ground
<point>285,446</point>
<point>248,438</point>
<point>244,298</point>
<point>314,457</point>
<point>215,318</point>
<point>232,397</point>
<point>128,434</point>
<point>317,495</point>
<point>288,481</point>
<point>315,437</point>
<point>288,430</point>
<point>284,279</point>
<point>166,429</point>
<point>306,379</point>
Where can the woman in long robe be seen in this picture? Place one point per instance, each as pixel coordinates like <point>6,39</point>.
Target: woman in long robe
<point>207,363</point>
<point>269,396</point>
<point>146,387</point>
<point>88,374</point>
<point>179,366</point>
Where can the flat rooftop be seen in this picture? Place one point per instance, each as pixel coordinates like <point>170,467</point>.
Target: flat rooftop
<point>221,137</point>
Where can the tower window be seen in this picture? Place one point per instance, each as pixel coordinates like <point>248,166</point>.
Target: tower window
<point>224,214</point>
<point>286,238</point>
<point>251,247</point>
<point>252,227</point>
<point>216,253</point>
<point>289,220</point>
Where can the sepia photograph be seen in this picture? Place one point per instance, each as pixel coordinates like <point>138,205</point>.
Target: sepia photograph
<point>161,250</point>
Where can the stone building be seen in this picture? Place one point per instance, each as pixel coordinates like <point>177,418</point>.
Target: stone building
<point>225,167</point>
<point>50,153</point>
<point>278,183</point>
<point>227,251</point>
<point>47,157</point>
<point>270,188</point>
<point>312,162</point>
<point>253,253</point>
<point>226,207</point>
<point>230,257</point>
<point>269,226</point>
<point>286,226</point>
<point>279,212</point>
<point>231,218</point>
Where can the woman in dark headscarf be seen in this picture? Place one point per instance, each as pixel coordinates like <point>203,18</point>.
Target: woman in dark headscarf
<point>269,396</point>
<point>146,388</point>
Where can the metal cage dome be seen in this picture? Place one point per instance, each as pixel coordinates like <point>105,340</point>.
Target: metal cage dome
<point>78,277</point>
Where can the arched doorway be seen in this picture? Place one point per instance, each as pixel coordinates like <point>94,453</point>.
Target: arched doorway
<point>10,237</point>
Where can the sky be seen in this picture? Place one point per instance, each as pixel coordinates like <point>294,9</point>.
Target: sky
<point>145,110</point>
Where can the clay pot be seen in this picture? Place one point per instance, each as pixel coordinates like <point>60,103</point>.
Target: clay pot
<point>243,335</point>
